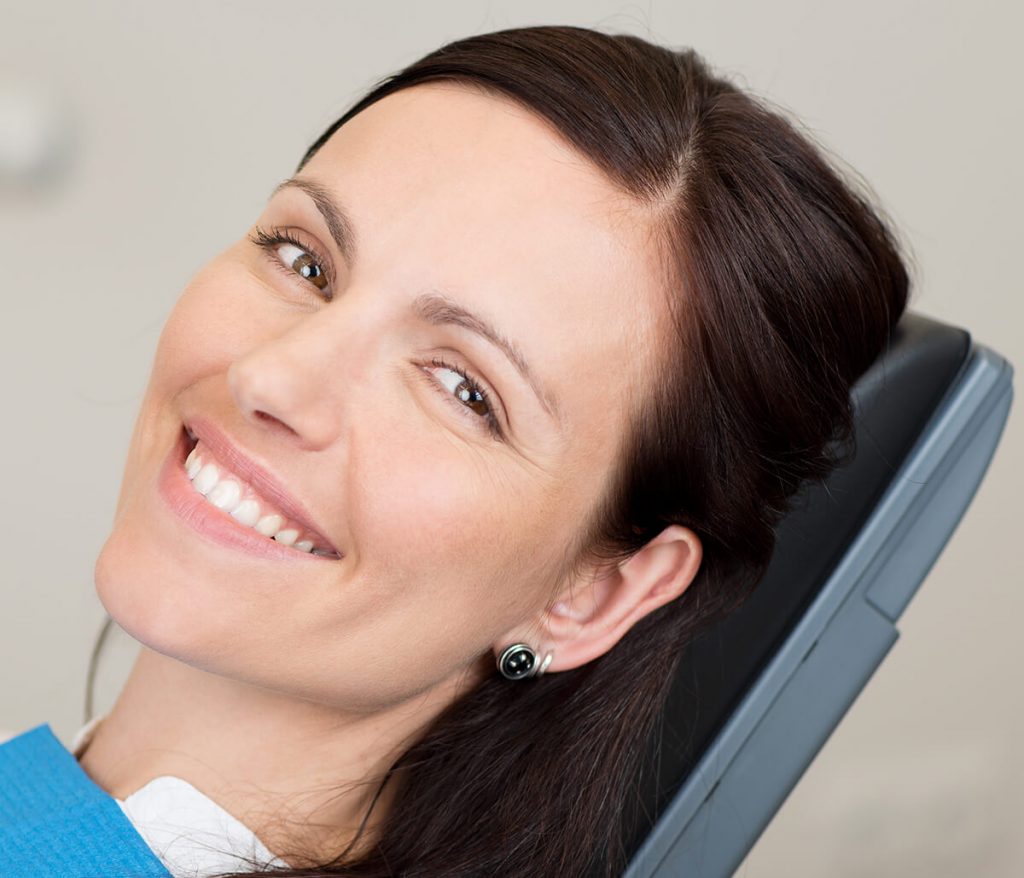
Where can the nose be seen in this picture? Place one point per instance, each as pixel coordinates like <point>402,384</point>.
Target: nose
<point>287,383</point>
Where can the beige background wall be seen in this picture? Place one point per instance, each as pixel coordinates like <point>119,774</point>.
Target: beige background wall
<point>178,119</point>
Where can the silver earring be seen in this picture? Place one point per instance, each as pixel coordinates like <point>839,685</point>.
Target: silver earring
<point>519,662</point>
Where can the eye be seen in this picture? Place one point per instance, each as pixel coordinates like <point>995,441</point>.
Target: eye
<point>463,390</point>
<point>305,264</point>
<point>294,257</point>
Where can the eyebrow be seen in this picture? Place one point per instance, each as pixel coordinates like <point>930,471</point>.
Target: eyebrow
<point>435,308</point>
<point>338,222</point>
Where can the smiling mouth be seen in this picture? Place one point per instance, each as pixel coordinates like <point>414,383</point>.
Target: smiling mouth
<point>222,488</point>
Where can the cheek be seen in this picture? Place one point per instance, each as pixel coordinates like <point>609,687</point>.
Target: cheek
<point>195,341</point>
<point>434,498</point>
<point>449,530</point>
<point>207,329</point>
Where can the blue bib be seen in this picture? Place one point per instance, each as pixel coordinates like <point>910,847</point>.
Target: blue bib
<point>55,822</point>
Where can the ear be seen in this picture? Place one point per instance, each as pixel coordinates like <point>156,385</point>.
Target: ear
<point>591,616</point>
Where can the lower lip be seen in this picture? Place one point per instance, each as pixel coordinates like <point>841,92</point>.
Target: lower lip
<point>215,524</point>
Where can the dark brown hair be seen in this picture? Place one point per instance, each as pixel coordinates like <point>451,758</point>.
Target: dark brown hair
<point>783,283</point>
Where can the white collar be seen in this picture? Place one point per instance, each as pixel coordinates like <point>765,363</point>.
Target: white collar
<point>192,835</point>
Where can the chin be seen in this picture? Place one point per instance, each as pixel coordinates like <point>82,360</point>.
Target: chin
<point>150,601</point>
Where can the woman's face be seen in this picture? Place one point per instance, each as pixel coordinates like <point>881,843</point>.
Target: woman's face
<point>321,364</point>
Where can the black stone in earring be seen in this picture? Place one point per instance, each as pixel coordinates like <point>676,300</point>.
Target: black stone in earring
<point>517,661</point>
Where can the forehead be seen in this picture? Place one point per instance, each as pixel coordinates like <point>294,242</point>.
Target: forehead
<point>451,188</point>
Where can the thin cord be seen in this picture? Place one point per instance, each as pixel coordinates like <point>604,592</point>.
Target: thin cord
<point>93,662</point>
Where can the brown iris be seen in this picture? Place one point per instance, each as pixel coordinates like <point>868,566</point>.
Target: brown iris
<point>467,394</point>
<point>306,265</point>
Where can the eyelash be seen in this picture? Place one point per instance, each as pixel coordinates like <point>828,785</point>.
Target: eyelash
<point>269,241</point>
<point>490,420</point>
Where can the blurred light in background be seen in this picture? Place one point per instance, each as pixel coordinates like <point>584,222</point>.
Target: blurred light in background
<point>36,138</point>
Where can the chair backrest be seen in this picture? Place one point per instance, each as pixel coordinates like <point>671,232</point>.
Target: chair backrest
<point>757,695</point>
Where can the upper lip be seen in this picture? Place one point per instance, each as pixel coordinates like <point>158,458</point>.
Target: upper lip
<point>259,476</point>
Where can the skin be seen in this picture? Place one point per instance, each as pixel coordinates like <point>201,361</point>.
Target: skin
<point>270,684</point>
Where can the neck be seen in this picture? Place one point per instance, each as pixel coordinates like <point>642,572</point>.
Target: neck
<point>299,774</point>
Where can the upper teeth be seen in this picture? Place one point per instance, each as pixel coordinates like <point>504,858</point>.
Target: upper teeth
<point>225,492</point>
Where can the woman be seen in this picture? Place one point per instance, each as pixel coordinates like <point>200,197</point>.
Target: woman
<point>442,464</point>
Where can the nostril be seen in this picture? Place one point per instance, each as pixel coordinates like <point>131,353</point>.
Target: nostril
<point>261,415</point>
